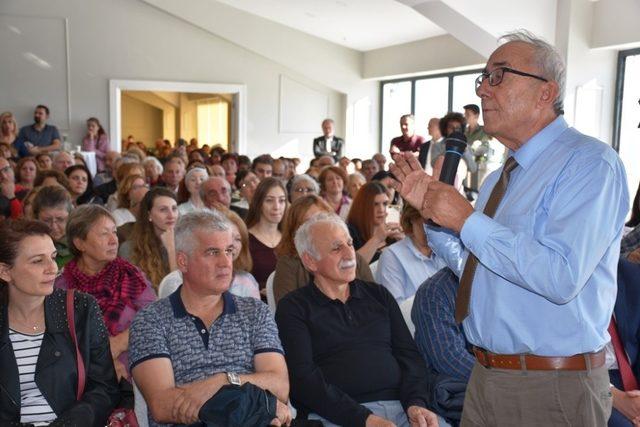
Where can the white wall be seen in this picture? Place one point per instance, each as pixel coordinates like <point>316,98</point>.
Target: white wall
<point>616,23</point>
<point>129,39</point>
<point>142,120</point>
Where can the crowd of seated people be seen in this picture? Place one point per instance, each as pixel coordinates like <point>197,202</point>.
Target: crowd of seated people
<point>173,252</point>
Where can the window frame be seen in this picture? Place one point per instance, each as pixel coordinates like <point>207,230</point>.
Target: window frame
<point>450,75</point>
<point>619,93</point>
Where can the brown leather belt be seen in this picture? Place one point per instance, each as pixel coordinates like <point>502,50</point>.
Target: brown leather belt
<point>539,363</point>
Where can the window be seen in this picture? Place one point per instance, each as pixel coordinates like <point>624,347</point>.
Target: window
<point>626,127</point>
<point>424,97</point>
<point>213,122</point>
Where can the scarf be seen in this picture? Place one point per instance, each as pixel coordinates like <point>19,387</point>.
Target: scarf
<point>118,285</point>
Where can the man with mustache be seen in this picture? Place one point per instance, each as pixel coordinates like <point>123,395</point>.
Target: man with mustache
<point>352,360</point>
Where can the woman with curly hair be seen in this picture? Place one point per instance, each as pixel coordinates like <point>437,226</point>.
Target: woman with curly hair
<point>151,245</point>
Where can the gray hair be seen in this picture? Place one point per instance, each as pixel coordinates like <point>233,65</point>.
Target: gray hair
<point>156,164</point>
<point>202,220</point>
<point>548,60</point>
<point>304,239</point>
<point>203,190</point>
<point>305,178</point>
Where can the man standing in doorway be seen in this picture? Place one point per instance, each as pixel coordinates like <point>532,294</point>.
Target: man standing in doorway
<point>537,289</point>
<point>408,141</point>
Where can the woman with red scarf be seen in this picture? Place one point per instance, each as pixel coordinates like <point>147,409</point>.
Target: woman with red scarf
<point>120,288</point>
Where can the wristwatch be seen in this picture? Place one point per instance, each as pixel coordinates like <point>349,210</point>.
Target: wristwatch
<point>233,378</point>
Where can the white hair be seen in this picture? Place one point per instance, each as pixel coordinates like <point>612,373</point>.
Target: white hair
<point>547,59</point>
<point>203,189</point>
<point>305,178</point>
<point>156,164</point>
<point>202,220</point>
<point>304,238</point>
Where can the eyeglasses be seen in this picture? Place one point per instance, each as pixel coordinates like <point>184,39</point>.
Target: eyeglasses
<point>303,190</point>
<point>55,220</point>
<point>495,76</point>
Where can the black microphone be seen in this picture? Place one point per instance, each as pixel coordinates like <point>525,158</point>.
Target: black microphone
<point>455,145</point>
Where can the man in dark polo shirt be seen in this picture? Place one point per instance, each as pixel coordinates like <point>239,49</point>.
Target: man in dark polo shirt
<point>408,141</point>
<point>351,358</point>
<point>39,137</point>
<point>184,348</point>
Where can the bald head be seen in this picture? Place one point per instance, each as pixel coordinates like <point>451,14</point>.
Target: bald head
<point>62,160</point>
<point>216,190</point>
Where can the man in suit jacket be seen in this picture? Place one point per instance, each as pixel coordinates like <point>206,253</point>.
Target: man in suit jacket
<point>328,143</point>
<point>626,404</point>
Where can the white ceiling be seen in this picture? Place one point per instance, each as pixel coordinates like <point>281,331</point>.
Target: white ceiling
<point>358,24</point>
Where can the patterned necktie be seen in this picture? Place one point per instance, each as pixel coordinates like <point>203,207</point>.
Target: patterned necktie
<point>464,291</point>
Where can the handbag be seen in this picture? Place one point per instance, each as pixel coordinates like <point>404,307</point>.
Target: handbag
<point>120,417</point>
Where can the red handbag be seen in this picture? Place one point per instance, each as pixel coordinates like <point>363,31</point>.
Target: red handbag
<point>120,417</point>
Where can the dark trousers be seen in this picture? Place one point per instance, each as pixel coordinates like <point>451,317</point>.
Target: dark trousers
<point>502,397</point>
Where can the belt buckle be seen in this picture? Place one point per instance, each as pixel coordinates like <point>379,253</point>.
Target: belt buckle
<point>486,362</point>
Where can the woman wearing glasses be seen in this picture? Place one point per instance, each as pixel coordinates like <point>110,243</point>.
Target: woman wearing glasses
<point>302,185</point>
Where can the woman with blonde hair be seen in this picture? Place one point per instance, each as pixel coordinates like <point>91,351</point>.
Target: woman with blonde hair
<point>8,128</point>
<point>151,245</point>
<point>290,273</point>
<point>130,193</point>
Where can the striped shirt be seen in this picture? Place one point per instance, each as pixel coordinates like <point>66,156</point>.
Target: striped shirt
<point>34,408</point>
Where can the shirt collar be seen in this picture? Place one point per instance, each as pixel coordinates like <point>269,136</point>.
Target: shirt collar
<point>179,310</point>
<point>322,299</point>
<point>529,152</point>
<point>412,248</point>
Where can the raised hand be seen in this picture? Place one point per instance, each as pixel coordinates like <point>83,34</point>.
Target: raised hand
<point>412,180</point>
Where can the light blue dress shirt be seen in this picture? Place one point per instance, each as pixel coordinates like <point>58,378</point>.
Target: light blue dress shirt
<point>402,268</point>
<point>546,278</point>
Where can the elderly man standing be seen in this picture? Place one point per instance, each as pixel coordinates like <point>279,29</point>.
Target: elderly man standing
<point>351,357</point>
<point>539,251</point>
<point>328,143</point>
<point>185,348</point>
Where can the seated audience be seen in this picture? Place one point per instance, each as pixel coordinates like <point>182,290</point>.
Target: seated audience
<point>97,141</point>
<point>153,169</point>
<point>623,352</point>
<point>81,186</point>
<point>381,160</point>
<point>193,181</point>
<point>10,192</point>
<point>290,274</point>
<point>151,244</point>
<point>216,193</point>
<point>7,151</point>
<point>109,190</point>
<point>369,169</point>
<point>246,182</point>
<point>262,166</point>
<point>174,170</point>
<point>344,163</point>
<point>264,219</point>
<point>324,161</point>
<point>52,205</point>
<point>243,283</point>
<point>26,171</point>
<point>351,358</point>
<point>48,177</point>
<point>442,342</point>
<point>244,163</point>
<point>388,180</point>
<point>354,182</point>
<point>119,287</point>
<point>33,328</point>
<point>111,162</point>
<point>45,162</point>
<point>367,222</point>
<point>279,169</point>
<point>301,186</point>
<point>185,348</point>
<point>8,128</point>
<point>404,265</point>
<point>38,137</point>
<point>130,194</point>
<point>332,182</point>
<point>218,171</point>
<point>27,203</point>
<point>62,160</point>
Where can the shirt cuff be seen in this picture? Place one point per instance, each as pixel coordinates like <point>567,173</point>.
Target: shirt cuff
<point>476,230</point>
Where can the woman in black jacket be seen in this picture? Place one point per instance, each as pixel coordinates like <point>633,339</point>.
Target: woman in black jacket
<point>39,377</point>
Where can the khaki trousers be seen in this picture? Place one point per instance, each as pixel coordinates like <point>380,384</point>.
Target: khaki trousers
<point>502,397</point>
